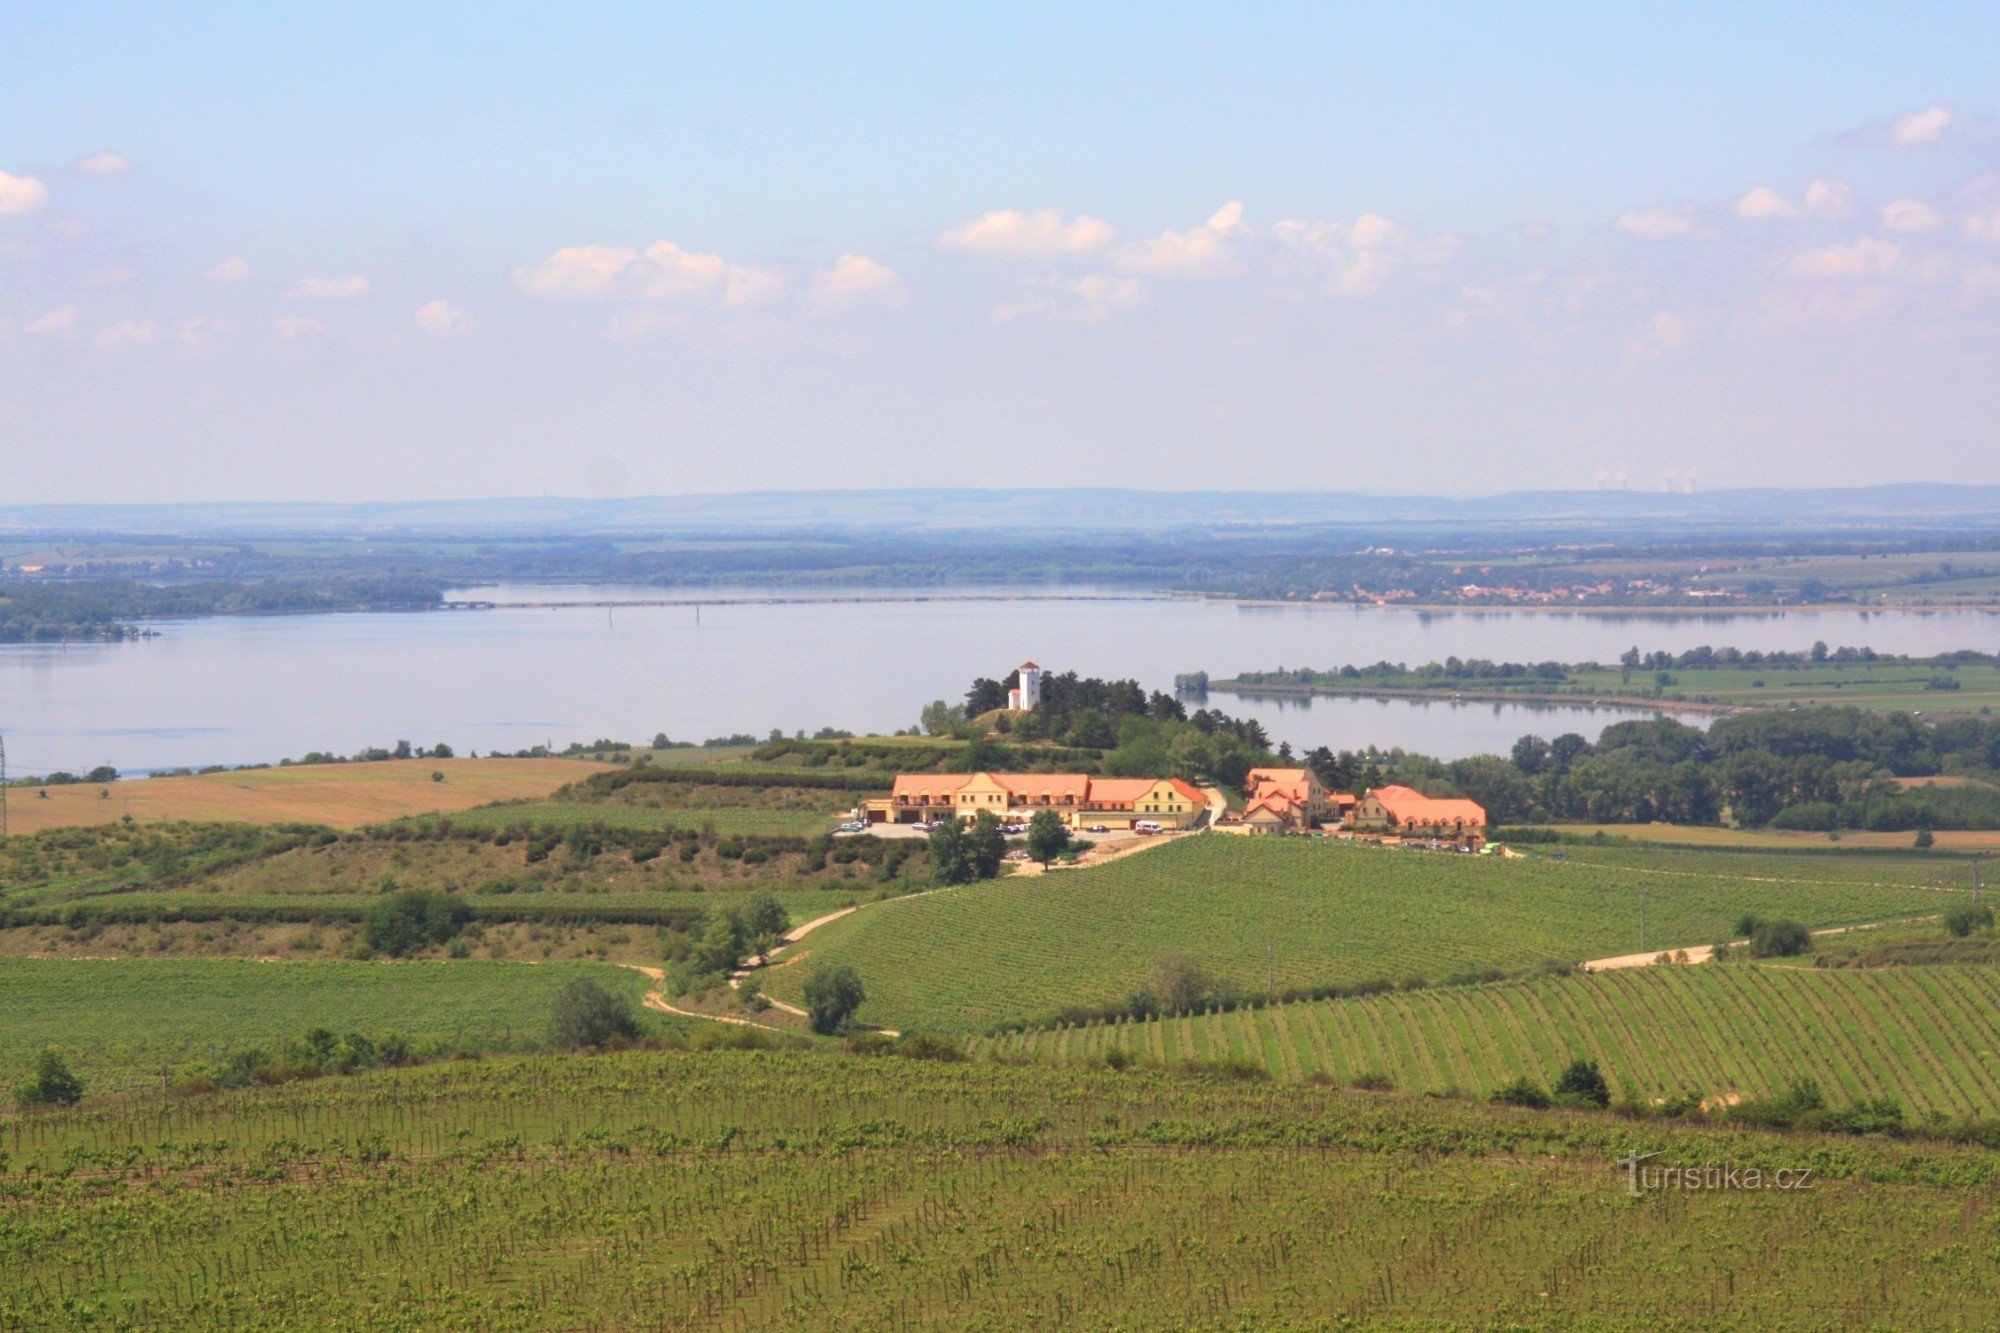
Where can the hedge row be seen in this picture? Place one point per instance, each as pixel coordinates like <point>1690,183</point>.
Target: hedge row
<point>83,916</point>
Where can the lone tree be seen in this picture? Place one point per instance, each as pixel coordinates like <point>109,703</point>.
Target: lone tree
<point>832,996</point>
<point>1779,939</point>
<point>586,1014</point>
<point>53,1083</point>
<point>1582,1082</point>
<point>1048,836</point>
<point>1180,984</point>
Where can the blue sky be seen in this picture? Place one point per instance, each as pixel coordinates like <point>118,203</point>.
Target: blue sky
<point>361,252</point>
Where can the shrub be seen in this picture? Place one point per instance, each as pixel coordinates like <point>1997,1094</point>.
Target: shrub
<point>1373,1080</point>
<point>832,995</point>
<point>1582,1083</point>
<point>1962,921</point>
<point>53,1083</point>
<point>404,923</point>
<point>1779,939</point>
<point>585,1014</point>
<point>1522,1092</point>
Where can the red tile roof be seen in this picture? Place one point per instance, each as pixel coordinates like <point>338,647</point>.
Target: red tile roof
<point>1410,806</point>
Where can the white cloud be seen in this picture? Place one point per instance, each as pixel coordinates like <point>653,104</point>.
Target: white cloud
<point>1038,235</point>
<point>1823,198</point>
<point>1360,256</point>
<point>329,289</point>
<point>289,328</point>
<point>1984,226</point>
<point>1085,300</point>
<point>1921,127</point>
<point>1912,215</point>
<point>58,322</point>
<point>1199,252</point>
<point>441,319</point>
<point>21,194</point>
<point>579,272</point>
<point>106,163</point>
<point>857,280</point>
<point>1655,223</point>
<point>126,333</point>
<point>233,269</point>
<point>663,271</point>
<point>1865,258</point>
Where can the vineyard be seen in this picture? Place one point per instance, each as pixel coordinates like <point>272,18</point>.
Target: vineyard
<point>1311,914</point>
<point>767,1190</point>
<point>120,1023</point>
<point>1928,1037</point>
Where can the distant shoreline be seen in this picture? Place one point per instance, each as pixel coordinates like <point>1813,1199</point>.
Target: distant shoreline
<point>1247,691</point>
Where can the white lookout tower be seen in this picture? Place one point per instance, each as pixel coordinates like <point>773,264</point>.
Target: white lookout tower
<point>1027,695</point>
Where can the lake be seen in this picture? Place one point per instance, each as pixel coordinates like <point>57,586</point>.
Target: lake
<point>248,689</point>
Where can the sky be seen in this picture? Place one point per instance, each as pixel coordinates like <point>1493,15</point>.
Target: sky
<point>357,252</point>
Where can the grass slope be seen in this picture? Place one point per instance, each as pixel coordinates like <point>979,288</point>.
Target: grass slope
<point>338,795</point>
<point>1328,913</point>
<point>765,1190</point>
<point>122,1021</point>
<point>1928,1037</point>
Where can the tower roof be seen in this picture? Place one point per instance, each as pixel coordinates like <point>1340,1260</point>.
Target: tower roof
<point>1027,666</point>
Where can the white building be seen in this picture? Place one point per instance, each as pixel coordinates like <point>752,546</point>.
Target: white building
<point>1026,695</point>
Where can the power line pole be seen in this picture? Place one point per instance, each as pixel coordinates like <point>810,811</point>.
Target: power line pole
<point>3,789</point>
<point>1642,921</point>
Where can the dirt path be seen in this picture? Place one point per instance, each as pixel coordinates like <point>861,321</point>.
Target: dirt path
<point>656,1000</point>
<point>1702,953</point>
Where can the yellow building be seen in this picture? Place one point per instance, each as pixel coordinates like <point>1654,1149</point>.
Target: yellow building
<point>1081,800</point>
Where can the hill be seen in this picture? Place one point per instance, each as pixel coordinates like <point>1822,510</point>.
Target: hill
<point>123,1021</point>
<point>764,1189</point>
<point>1301,914</point>
<point>337,795</point>
<point>1925,1036</point>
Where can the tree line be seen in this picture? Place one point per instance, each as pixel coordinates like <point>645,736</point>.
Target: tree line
<point>1821,768</point>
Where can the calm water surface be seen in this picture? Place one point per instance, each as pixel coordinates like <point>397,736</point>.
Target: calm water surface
<point>244,689</point>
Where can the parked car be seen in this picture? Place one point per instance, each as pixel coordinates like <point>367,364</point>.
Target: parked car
<point>1099,828</point>
<point>854,826</point>
<point>1144,827</point>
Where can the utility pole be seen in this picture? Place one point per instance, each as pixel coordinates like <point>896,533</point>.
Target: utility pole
<point>3,789</point>
<point>3,811</point>
<point>1269,990</point>
<point>1642,921</point>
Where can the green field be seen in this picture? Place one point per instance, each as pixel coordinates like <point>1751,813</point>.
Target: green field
<point>1312,913</point>
<point>763,1190</point>
<point>122,1021</point>
<point>1927,1036</point>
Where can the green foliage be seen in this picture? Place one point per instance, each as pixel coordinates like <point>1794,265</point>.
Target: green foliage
<point>1779,939</point>
<point>1962,921</point>
<point>1522,1092</point>
<point>1048,836</point>
<point>1581,1082</point>
<point>832,994</point>
<point>1329,914</point>
<point>52,1083</point>
<point>1917,1034</point>
<point>583,1013</point>
<point>526,1193</point>
<point>413,920</point>
<point>121,1022</point>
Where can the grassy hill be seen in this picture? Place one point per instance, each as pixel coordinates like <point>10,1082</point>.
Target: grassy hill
<point>1927,1036</point>
<point>1314,914</point>
<point>122,1021</point>
<point>775,1190</point>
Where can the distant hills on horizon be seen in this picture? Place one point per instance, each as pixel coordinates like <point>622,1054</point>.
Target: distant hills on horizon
<point>1918,506</point>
